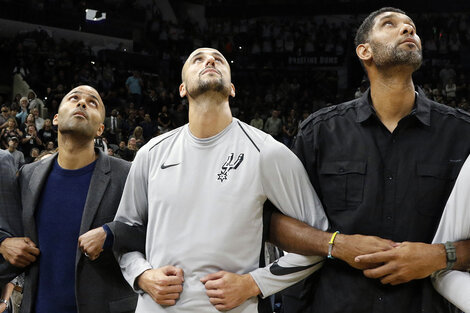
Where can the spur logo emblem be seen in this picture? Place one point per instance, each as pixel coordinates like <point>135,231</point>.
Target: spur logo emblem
<point>229,165</point>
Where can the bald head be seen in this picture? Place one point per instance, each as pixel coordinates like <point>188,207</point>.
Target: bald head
<point>198,53</point>
<point>89,92</point>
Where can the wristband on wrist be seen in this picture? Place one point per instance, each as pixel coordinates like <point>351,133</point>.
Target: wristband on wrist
<point>331,244</point>
<point>4,301</point>
<point>451,254</point>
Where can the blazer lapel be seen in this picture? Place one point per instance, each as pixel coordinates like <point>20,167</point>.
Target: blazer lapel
<point>98,184</point>
<point>30,199</point>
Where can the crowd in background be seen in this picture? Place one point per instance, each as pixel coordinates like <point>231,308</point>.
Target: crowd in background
<point>272,94</point>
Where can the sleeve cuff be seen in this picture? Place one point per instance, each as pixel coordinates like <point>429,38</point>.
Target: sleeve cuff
<point>108,243</point>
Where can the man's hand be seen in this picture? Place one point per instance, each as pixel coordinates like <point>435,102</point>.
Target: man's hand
<point>347,247</point>
<point>19,251</point>
<point>91,242</point>
<point>228,290</point>
<point>408,261</point>
<point>163,284</point>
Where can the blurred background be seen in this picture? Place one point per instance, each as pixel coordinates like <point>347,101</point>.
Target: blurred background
<point>289,58</point>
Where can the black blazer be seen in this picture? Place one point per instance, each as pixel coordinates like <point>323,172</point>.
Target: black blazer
<point>99,285</point>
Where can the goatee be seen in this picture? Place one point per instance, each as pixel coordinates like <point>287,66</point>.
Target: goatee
<point>389,56</point>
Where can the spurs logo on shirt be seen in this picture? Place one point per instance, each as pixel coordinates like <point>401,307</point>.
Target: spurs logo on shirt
<point>228,165</point>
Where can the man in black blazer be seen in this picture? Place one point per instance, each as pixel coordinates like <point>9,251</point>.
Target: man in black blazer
<point>69,201</point>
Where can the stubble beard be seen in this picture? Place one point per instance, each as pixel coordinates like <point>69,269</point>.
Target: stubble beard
<point>77,130</point>
<point>210,85</point>
<point>386,56</point>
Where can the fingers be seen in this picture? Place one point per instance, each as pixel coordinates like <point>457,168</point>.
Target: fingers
<point>380,271</point>
<point>173,271</point>
<point>212,276</point>
<point>29,242</point>
<point>377,257</point>
<point>32,250</point>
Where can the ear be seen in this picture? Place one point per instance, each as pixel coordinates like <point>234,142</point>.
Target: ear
<point>232,90</point>
<point>100,130</point>
<point>183,91</point>
<point>364,52</point>
<point>55,121</point>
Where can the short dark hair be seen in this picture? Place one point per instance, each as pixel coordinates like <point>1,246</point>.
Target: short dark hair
<point>362,34</point>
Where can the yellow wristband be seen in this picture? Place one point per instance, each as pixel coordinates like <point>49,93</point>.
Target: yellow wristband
<point>331,244</point>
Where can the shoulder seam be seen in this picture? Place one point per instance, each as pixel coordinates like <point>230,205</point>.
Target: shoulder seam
<point>161,141</point>
<point>248,136</point>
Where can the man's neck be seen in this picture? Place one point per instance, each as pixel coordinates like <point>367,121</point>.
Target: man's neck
<point>208,116</point>
<point>75,154</point>
<point>11,149</point>
<point>393,96</point>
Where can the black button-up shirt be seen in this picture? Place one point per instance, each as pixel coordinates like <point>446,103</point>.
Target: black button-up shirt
<point>373,182</point>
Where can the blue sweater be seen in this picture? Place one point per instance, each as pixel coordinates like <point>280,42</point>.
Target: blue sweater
<point>58,219</point>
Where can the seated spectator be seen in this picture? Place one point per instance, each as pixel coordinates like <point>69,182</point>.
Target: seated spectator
<point>30,120</point>
<point>132,146</point>
<point>39,121</point>
<point>4,116</point>
<point>148,127</point>
<point>30,141</point>
<point>33,154</point>
<point>257,121</point>
<point>17,155</point>
<point>138,135</point>
<point>164,120</point>
<point>50,146</point>
<point>124,152</point>
<point>11,130</point>
<point>47,133</point>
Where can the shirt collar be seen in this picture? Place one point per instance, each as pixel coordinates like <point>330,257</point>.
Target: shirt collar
<point>422,108</point>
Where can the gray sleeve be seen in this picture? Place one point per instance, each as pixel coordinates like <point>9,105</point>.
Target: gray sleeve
<point>455,226</point>
<point>133,211</point>
<point>10,211</point>
<point>288,187</point>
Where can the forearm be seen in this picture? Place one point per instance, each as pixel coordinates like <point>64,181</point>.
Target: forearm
<point>292,235</point>
<point>7,291</point>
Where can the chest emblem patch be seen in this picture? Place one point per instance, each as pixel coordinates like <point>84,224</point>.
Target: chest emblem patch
<point>229,165</point>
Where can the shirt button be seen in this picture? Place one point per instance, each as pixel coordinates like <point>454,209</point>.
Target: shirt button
<point>380,298</point>
<point>389,218</point>
<point>341,170</point>
<point>389,177</point>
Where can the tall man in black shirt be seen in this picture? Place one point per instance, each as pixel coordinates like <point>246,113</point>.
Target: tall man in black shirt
<point>383,165</point>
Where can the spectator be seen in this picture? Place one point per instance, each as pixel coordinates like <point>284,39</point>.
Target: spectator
<point>39,121</point>
<point>47,133</point>
<point>138,135</point>
<point>134,86</point>
<point>4,116</point>
<point>17,155</point>
<point>30,120</point>
<point>148,127</point>
<point>11,130</point>
<point>124,152</point>
<point>273,125</point>
<point>24,110</point>
<point>113,127</point>
<point>164,120</point>
<point>31,141</point>
<point>257,121</point>
<point>33,154</point>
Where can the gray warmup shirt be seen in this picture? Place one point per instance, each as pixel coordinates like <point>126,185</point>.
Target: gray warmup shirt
<point>202,201</point>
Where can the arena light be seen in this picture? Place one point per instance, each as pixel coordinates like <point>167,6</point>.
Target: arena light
<point>94,16</point>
